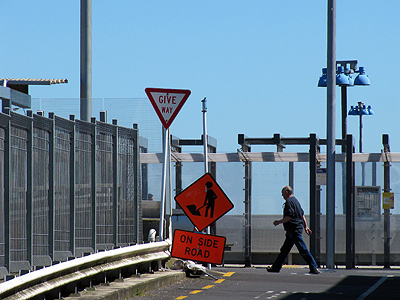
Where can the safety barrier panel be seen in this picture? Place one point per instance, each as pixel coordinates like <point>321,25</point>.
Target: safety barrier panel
<point>67,187</point>
<point>81,271</point>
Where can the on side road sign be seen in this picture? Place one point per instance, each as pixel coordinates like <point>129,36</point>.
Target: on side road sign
<point>204,202</point>
<point>167,103</point>
<point>198,246</point>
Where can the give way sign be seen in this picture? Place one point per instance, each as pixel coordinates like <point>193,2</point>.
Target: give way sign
<point>167,103</point>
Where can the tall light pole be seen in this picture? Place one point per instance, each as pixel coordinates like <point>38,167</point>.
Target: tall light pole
<point>86,61</point>
<point>330,133</point>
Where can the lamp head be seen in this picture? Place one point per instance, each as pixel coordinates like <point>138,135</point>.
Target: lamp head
<point>363,110</point>
<point>351,77</point>
<point>362,78</point>
<point>322,82</point>
<point>341,78</point>
<point>352,111</point>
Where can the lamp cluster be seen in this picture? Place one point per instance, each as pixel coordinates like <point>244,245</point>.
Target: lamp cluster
<point>361,109</point>
<point>346,76</point>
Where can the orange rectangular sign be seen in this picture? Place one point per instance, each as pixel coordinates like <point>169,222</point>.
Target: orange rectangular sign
<point>198,246</point>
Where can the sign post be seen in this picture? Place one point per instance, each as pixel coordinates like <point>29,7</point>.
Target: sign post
<point>166,103</point>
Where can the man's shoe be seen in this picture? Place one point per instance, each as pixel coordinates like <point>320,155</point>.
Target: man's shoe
<point>272,270</point>
<point>314,271</point>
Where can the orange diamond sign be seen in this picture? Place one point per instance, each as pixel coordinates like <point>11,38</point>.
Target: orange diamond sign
<point>204,202</point>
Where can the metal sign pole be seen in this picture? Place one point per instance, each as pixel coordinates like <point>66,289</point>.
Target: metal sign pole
<point>169,187</point>
<point>164,184</point>
<point>205,140</point>
<point>205,143</point>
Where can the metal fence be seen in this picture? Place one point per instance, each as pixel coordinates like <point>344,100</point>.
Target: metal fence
<point>67,187</point>
<point>273,170</point>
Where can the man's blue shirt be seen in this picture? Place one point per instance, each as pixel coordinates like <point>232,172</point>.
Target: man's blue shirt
<point>293,209</point>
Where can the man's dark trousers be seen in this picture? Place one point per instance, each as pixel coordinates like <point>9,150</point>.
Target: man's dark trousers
<point>294,238</point>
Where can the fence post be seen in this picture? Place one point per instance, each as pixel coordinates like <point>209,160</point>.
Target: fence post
<point>94,208</point>
<point>115,182</point>
<point>138,202</point>
<point>51,188</point>
<point>386,224</point>
<point>247,202</point>
<point>313,196</point>
<point>29,191</point>
<point>72,187</point>
<point>7,187</point>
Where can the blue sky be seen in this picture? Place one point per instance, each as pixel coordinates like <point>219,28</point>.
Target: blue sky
<point>257,62</point>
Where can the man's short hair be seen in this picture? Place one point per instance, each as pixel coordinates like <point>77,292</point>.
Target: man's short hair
<point>287,189</point>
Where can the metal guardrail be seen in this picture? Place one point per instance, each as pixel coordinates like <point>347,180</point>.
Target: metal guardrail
<point>53,279</point>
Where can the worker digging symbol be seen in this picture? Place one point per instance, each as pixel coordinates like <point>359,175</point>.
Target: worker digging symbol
<point>210,199</point>
<point>209,202</point>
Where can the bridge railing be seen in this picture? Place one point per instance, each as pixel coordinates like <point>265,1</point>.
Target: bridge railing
<point>71,276</point>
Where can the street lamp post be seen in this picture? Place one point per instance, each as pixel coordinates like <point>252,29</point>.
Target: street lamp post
<point>344,77</point>
<point>347,75</point>
<point>361,110</point>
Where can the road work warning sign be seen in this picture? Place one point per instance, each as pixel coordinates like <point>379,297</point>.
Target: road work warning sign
<point>198,247</point>
<point>204,202</point>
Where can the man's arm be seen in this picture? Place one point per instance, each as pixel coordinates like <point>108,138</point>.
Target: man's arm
<point>306,229</point>
<point>281,221</point>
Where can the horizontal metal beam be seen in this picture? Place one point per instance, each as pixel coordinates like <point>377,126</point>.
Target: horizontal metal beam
<point>156,158</point>
<point>212,142</point>
<point>280,141</point>
<point>32,81</point>
<point>17,98</point>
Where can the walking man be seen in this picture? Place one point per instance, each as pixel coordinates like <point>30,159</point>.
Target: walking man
<point>293,222</point>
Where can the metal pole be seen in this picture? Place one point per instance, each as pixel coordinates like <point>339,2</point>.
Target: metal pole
<point>72,215</point>
<point>291,174</point>
<point>313,192</point>
<point>361,149</point>
<point>331,108</point>
<point>164,184</point>
<point>94,185</point>
<point>115,182</point>
<point>247,209</point>
<point>29,193</point>
<point>169,187</point>
<point>205,138</point>
<point>349,204</point>
<point>7,190</point>
<point>205,143</point>
<point>361,136</point>
<point>344,133</point>
<point>86,60</point>
<point>51,192</point>
<point>386,188</point>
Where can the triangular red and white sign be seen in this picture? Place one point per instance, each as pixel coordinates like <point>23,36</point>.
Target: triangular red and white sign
<point>167,103</point>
